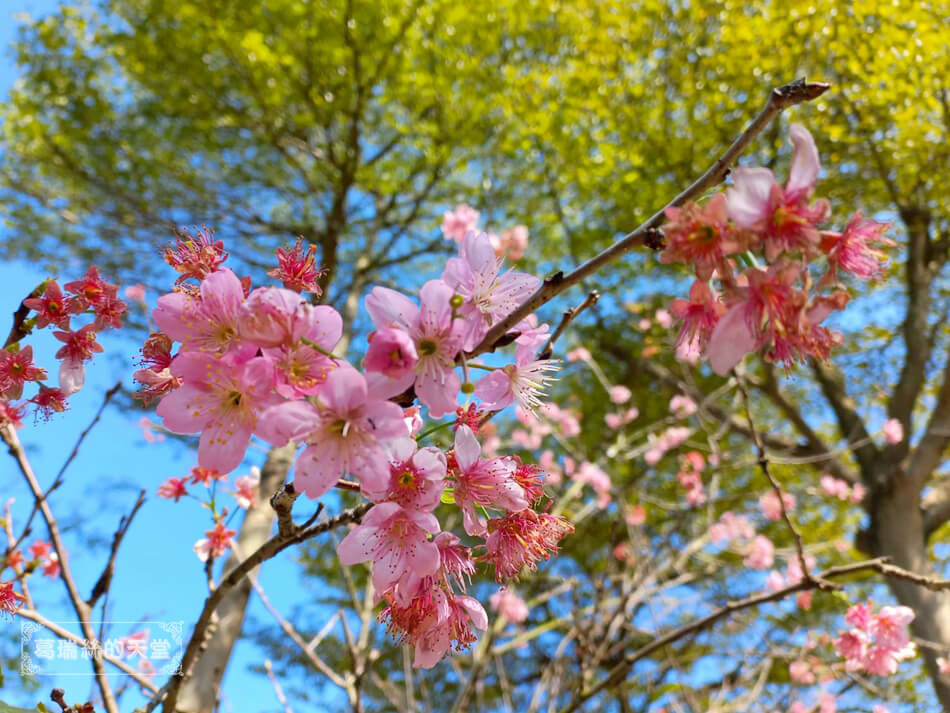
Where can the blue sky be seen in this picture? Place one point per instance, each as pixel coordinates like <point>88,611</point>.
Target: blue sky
<point>157,575</point>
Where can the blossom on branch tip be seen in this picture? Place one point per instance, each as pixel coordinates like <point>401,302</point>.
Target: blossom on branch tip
<point>16,369</point>
<point>10,601</point>
<point>509,605</point>
<point>52,307</point>
<point>437,337</point>
<point>173,489</point>
<point>416,477</point>
<point>206,321</point>
<point>521,539</point>
<point>482,483</point>
<point>215,543</point>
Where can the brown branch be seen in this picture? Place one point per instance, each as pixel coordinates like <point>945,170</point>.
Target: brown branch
<point>566,318</point>
<point>58,480</point>
<point>879,565</point>
<point>647,233</point>
<point>105,579</point>
<point>929,452</point>
<point>852,427</point>
<point>19,329</point>
<point>269,549</point>
<point>9,436</point>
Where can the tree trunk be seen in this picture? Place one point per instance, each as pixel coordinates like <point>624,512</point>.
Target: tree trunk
<point>898,532</point>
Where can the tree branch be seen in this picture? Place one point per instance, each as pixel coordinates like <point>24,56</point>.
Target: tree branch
<point>647,233</point>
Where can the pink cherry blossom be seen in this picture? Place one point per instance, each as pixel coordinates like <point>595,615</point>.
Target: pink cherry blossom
<point>619,394</point>
<point>857,249</point>
<point>827,703</point>
<point>245,488</point>
<point>784,217</point>
<point>522,382</point>
<point>396,541</point>
<point>297,268</point>
<point>509,605</point>
<point>489,294</point>
<point>345,432</point>
<point>437,338</point>
<point>772,508</point>
<point>700,236</point>
<point>456,223</point>
<point>433,643</point>
<point>635,515</point>
<point>173,489</point>
<point>485,483</point>
<point>222,398</point>
<point>800,672</point>
<point>522,539</point>
<point>578,354</point>
<point>52,307</point>
<point>416,477</point>
<point>731,527</point>
<point>135,292</point>
<point>207,321</point>
<point>301,364</point>
<point>761,553</point>
<point>391,352</point>
<point>893,431</point>
<point>215,543</point>
<point>195,256</point>
<point>682,406</point>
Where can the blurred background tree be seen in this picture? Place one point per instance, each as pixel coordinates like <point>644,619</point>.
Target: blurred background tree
<point>356,124</point>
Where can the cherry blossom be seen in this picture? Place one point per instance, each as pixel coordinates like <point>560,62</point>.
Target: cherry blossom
<point>345,432</point>
<point>509,605</point>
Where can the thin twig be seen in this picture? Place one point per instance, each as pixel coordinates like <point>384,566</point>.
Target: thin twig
<point>647,233</point>
<point>105,579</point>
<point>569,316</point>
<point>278,691</point>
<point>58,480</point>
<point>763,461</point>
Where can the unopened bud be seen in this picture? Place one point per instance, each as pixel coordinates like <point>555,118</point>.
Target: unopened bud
<point>468,388</point>
<point>456,301</point>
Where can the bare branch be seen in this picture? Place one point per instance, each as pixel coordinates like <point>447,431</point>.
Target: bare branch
<point>569,316</point>
<point>105,579</point>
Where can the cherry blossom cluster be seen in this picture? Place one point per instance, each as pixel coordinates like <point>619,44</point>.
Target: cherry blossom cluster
<point>876,643</point>
<point>778,271</point>
<point>90,296</point>
<point>42,557</point>
<point>231,361</point>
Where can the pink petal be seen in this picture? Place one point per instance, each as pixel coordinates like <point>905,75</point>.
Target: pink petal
<point>467,448</point>
<point>440,392</point>
<point>495,389</point>
<point>318,468</point>
<point>287,421</point>
<point>749,199</point>
<point>184,410</point>
<point>387,307</point>
<point>805,163</point>
<point>430,463</point>
<point>344,390</point>
<point>359,545</point>
<point>222,446</point>
<point>324,326</point>
<point>730,341</point>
